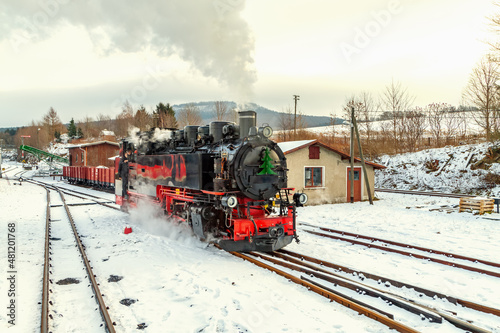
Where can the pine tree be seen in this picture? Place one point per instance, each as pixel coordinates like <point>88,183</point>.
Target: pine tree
<point>166,116</point>
<point>79,133</point>
<point>72,129</point>
<point>267,166</point>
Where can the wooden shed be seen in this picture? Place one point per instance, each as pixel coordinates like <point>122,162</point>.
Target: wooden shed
<point>323,172</point>
<point>93,153</point>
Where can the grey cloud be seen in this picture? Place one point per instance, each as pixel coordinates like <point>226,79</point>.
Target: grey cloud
<point>211,35</point>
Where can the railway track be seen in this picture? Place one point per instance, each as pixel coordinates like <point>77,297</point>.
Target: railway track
<point>432,194</point>
<point>392,246</point>
<point>81,195</point>
<point>56,249</point>
<point>325,288</point>
<point>323,279</point>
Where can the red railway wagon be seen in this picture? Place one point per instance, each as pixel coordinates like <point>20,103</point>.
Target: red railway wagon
<point>94,176</point>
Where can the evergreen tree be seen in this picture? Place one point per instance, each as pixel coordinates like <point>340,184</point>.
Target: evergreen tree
<point>165,115</point>
<point>72,129</point>
<point>267,166</point>
<point>57,135</point>
<point>79,133</point>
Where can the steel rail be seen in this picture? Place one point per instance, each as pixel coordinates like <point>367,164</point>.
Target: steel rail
<point>471,305</point>
<point>109,325</point>
<point>407,246</point>
<point>44,324</point>
<point>403,302</point>
<point>66,191</point>
<point>391,323</point>
<point>409,254</point>
<point>432,194</point>
<point>355,286</point>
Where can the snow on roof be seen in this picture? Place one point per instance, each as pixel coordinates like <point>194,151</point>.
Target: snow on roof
<point>291,145</point>
<point>106,132</point>
<point>93,144</point>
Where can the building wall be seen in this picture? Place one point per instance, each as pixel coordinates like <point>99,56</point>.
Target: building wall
<point>334,176</point>
<point>97,155</point>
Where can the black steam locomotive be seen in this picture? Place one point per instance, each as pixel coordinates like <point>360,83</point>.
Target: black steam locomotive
<point>228,182</point>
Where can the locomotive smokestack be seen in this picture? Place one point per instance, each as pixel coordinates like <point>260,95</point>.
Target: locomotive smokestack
<point>247,120</point>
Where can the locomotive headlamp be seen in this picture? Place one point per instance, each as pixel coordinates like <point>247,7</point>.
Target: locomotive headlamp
<point>266,131</point>
<point>230,201</point>
<point>300,199</point>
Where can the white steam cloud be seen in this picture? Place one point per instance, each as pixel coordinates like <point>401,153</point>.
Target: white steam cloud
<point>159,134</point>
<point>210,34</point>
<point>152,220</point>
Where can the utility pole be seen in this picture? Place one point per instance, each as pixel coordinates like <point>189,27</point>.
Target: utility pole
<point>351,149</point>
<point>367,182</point>
<point>296,98</point>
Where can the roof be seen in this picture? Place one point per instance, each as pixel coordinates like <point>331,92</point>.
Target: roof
<point>94,144</point>
<point>108,133</point>
<point>289,147</point>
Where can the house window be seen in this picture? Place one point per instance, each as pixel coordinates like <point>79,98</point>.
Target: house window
<point>314,152</point>
<point>76,158</point>
<point>356,175</point>
<point>82,156</point>
<point>314,177</point>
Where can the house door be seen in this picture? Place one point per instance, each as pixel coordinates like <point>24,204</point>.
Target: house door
<point>357,184</point>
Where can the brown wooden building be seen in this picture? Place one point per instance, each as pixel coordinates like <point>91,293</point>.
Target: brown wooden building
<point>93,153</point>
<point>323,172</point>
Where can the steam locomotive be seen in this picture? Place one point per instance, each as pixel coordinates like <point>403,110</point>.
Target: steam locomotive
<point>228,182</point>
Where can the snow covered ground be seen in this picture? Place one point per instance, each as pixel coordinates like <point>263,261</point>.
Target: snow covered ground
<point>453,173</point>
<point>180,284</point>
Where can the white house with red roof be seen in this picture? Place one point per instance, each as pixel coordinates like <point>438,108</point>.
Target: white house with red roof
<point>323,172</point>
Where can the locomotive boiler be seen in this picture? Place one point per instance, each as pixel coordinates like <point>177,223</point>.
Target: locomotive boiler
<point>227,181</point>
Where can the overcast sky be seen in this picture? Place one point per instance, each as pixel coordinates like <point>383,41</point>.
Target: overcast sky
<point>86,57</point>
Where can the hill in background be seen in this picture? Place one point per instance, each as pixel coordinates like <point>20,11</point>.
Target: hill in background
<point>264,115</point>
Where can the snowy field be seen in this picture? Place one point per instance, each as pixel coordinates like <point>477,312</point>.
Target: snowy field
<point>179,284</point>
<point>453,173</point>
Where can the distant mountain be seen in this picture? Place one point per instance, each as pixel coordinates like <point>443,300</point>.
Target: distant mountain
<point>264,115</point>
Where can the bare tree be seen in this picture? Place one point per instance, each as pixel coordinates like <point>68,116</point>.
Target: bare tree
<point>415,127</point>
<point>189,115</point>
<point>495,24</point>
<point>364,107</point>
<point>436,113</point>
<point>104,122</point>
<point>396,100</point>
<point>87,124</point>
<point>142,119</point>
<point>452,124</point>
<point>124,120</point>
<point>51,123</point>
<point>483,93</point>
<point>367,108</point>
<point>220,110</point>
<point>285,122</point>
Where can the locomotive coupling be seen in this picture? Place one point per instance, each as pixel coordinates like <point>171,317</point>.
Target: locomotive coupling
<point>277,231</point>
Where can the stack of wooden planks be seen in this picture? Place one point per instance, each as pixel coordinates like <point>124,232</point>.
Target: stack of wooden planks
<point>483,205</point>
